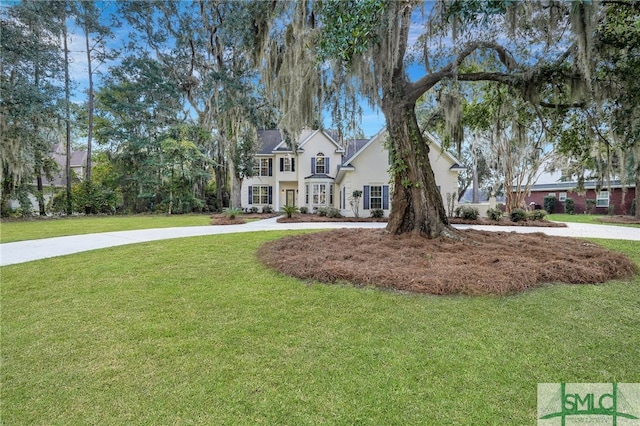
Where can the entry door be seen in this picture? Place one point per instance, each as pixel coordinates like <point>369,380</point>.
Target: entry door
<point>291,197</point>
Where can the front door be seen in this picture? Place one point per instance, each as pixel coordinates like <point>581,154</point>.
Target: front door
<point>291,197</point>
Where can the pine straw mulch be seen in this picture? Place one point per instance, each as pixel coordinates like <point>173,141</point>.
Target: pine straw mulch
<point>482,263</point>
<point>505,221</point>
<point>310,217</point>
<point>223,219</point>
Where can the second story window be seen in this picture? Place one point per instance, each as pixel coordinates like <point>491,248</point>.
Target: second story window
<point>320,164</point>
<point>263,167</point>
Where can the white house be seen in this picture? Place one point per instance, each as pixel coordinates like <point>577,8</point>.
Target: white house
<point>323,173</point>
<point>78,163</point>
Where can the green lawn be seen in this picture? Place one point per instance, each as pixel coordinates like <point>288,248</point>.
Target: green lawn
<point>195,331</point>
<point>57,227</point>
<point>593,219</point>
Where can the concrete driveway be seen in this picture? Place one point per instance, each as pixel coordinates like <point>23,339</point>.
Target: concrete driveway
<point>26,251</point>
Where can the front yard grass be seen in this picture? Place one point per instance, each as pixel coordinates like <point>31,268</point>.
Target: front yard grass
<point>197,331</point>
<point>594,219</point>
<point>22,230</point>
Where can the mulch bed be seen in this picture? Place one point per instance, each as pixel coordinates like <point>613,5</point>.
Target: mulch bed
<point>483,262</point>
<point>222,219</point>
<point>301,217</point>
<point>505,221</point>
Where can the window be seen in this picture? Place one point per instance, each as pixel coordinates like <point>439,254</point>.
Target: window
<point>319,194</point>
<point>287,164</point>
<point>562,196</point>
<point>375,197</point>
<point>260,194</point>
<point>320,164</point>
<point>262,167</point>
<point>552,194</point>
<point>603,199</point>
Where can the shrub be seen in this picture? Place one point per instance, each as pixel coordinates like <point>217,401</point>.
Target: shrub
<point>322,211</point>
<point>569,206</point>
<point>267,209</point>
<point>518,215</point>
<point>253,209</point>
<point>590,205</point>
<point>611,210</point>
<point>304,210</point>
<point>289,210</point>
<point>536,215</point>
<point>632,211</point>
<point>549,204</point>
<point>333,212</point>
<point>232,212</point>
<point>494,214</point>
<point>467,212</point>
<point>377,213</point>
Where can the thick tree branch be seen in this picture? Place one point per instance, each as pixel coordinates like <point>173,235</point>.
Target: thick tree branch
<point>421,86</point>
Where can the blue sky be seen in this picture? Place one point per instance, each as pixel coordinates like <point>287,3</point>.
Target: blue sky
<point>372,118</point>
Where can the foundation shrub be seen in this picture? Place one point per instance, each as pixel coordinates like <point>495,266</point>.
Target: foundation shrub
<point>590,205</point>
<point>494,214</point>
<point>632,211</point>
<point>267,209</point>
<point>549,204</point>
<point>518,215</point>
<point>377,213</point>
<point>536,215</point>
<point>333,212</point>
<point>467,212</point>
<point>569,206</point>
<point>304,210</point>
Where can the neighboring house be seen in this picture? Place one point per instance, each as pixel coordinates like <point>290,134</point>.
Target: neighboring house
<point>59,180</point>
<point>604,201</point>
<point>323,173</point>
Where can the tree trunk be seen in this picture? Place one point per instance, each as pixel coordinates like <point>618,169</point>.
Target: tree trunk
<point>417,203</point>
<point>40,193</point>
<point>637,170</point>
<point>69,206</point>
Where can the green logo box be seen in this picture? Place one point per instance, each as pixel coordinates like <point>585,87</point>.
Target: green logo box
<point>578,404</point>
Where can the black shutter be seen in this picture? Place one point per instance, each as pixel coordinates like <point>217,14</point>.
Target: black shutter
<point>270,196</point>
<point>366,197</point>
<point>270,167</point>
<point>282,164</point>
<point>251,195</point>
<point>385,197</point>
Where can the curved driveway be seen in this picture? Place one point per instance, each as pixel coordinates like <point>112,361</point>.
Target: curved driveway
<point>25,251</point>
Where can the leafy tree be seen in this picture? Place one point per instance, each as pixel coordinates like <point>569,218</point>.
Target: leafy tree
<point>30,66</point>
<point>135,107</point>
<point>202,46</point>
<point>367,43</point>
<point>88,16</point>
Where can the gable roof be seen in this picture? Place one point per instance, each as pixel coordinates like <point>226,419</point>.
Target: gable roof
<point>271,141</point>
<point>331,135</point>
<point>361,145</point>
<point>268,140</point>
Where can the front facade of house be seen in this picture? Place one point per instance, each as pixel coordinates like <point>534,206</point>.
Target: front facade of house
<point>603,200</point>
<point>322,173</point>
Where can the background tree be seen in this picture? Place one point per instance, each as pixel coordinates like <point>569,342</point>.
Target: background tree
<point>202,46</point>
<point>30,68</point>
<point>88,16</point>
